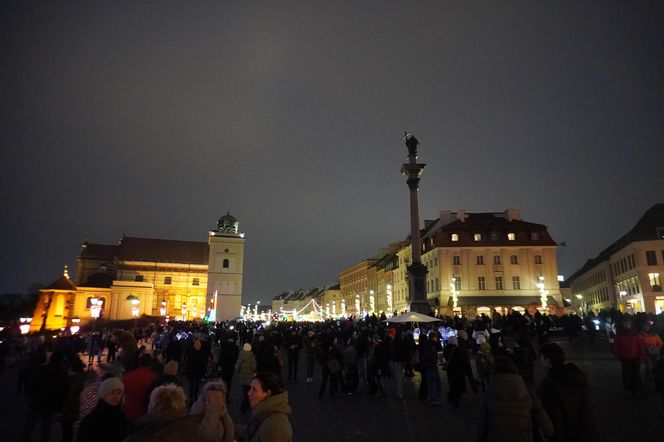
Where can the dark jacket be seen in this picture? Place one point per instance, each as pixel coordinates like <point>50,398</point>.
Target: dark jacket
<point>508,412</point>
<point>565,396</point>
<point>104,424</point>
<point>47,387</point>
<point>72,406</point>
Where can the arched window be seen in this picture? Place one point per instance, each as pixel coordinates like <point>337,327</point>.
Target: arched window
<point>226,263</point>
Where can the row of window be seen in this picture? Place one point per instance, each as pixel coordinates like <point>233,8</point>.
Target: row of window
<point>168,280</point>
<point>598,296</point>
<point>493,236</point>
<point>514,259</point>
<point>593,280</point>
<point>627,263</point>
<point>481,283</point>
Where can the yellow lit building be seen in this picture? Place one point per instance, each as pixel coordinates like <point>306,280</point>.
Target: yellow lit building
<point>628,274</point>
<point>162,277</point>
<point>476,262</point>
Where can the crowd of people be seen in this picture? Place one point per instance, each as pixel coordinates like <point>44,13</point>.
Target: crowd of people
<point>176,378</point>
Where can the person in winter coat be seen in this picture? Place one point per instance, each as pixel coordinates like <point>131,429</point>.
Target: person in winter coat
<point>136,384</point>
<point>47,390</point>
<point>565,396</point>
<point>456,371</point>
<point>651,343</point>
<point>228,354</point>
<point>197,362</point>
<point>246,370</point>
<point>269,416</point>
<point>628,349</point>
<point>167,417</point>
<point>311,348</point>
<point>429,367</point>
<point>294,345</point>
<point>659,374</point>
<point>71,412</point>
<point>508,411</point>
<point>107,422</point>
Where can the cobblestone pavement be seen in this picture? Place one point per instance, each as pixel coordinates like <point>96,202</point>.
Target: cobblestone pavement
<point>620,416</point>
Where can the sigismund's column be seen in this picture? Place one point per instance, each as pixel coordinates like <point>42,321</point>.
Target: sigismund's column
<point>417,272</point>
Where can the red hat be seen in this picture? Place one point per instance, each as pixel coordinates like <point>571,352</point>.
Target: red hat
<point>393,331</point>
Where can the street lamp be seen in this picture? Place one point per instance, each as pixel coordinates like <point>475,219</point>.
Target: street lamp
<point>256,311</point>
<point>388,298</point>
<point>543,292</point>
<point>162,310</point>
<point>372,301</point>
<point>75,328</point>
<point>95,310</point>
<point>134,307</point>
<point>357,305</point>
<point>25,325</point>
<point>184,311</point>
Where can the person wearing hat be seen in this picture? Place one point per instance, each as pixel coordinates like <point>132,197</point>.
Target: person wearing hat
<point>106,422</point>
<point>246,370</point>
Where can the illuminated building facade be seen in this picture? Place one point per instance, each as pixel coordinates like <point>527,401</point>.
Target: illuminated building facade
<point>163,275</point>
<point>627,274</point>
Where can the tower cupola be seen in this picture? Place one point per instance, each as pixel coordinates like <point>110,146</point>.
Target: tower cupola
<point>228,224</point>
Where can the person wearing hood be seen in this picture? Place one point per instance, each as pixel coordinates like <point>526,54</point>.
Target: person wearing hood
<point>107,422</point>
<point>508,412</point>
<point>167,417</point>
<point>246,370</point>
<point>269,417</point>
<point>565,396</point>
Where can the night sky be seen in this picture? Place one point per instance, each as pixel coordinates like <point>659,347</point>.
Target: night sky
<point>155,118</point>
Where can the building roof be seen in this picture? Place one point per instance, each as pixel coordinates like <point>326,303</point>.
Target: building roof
<point>466,225</point>
<point>163,250</point>
<point>644,230</point>
<point>99,251</point>
<point>62,283</point>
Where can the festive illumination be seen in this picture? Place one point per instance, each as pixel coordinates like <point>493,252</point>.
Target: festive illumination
<point>372,302</point>
<point>75,328</point>
<point>543,293</point>
<point>25,325</point>
<point>455,298</point>
<point>343,308</point>
<point>388,298</point>
<point>357,304</point>
<point>334,309</point>
<point>162,310</point>
<point>212,316</point>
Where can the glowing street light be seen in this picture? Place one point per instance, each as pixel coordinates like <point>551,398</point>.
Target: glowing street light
<point>134,307</point>
<point>334,309</point>
<point>95,310</point>
<point>25,325</point>
<point>162,310</point>
<point>184,311</point>
<point>543,293</point>
<point>357,305</point>
<point>388,298</point>
<point>372,301</point>
<point>75,328</point>
<point>343,308</point>
<point>455,298</point>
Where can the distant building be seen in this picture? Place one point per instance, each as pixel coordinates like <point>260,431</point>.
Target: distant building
<point>627,274</point>
<point>180,277</point>
<point>309,304</point>
<point>475,261</point>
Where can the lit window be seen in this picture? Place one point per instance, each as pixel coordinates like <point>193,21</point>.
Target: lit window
<point>457,283</point>
<point>195,281</point>
<point>654,282</point>
<point>511,236</point>
<point>455,237</point>
<point>167,280</point>
<point>477,237</point>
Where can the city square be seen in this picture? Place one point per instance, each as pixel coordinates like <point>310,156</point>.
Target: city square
<point>256,221</point>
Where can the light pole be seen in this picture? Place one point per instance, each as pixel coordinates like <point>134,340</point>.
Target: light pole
<point>95,310</point>
<point>417,272</point>
<point>134,308</point>
<point>388,298</point>
<point>25,325</point>
<point>162,310</point>
<point>75,328</point>
<point>372,302</point>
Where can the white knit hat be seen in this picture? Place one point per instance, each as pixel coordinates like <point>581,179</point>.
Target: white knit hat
<point>246,346</point>
<point>109,385</point>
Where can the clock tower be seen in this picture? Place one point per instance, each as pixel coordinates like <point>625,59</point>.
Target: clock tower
<point>225,266</point>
